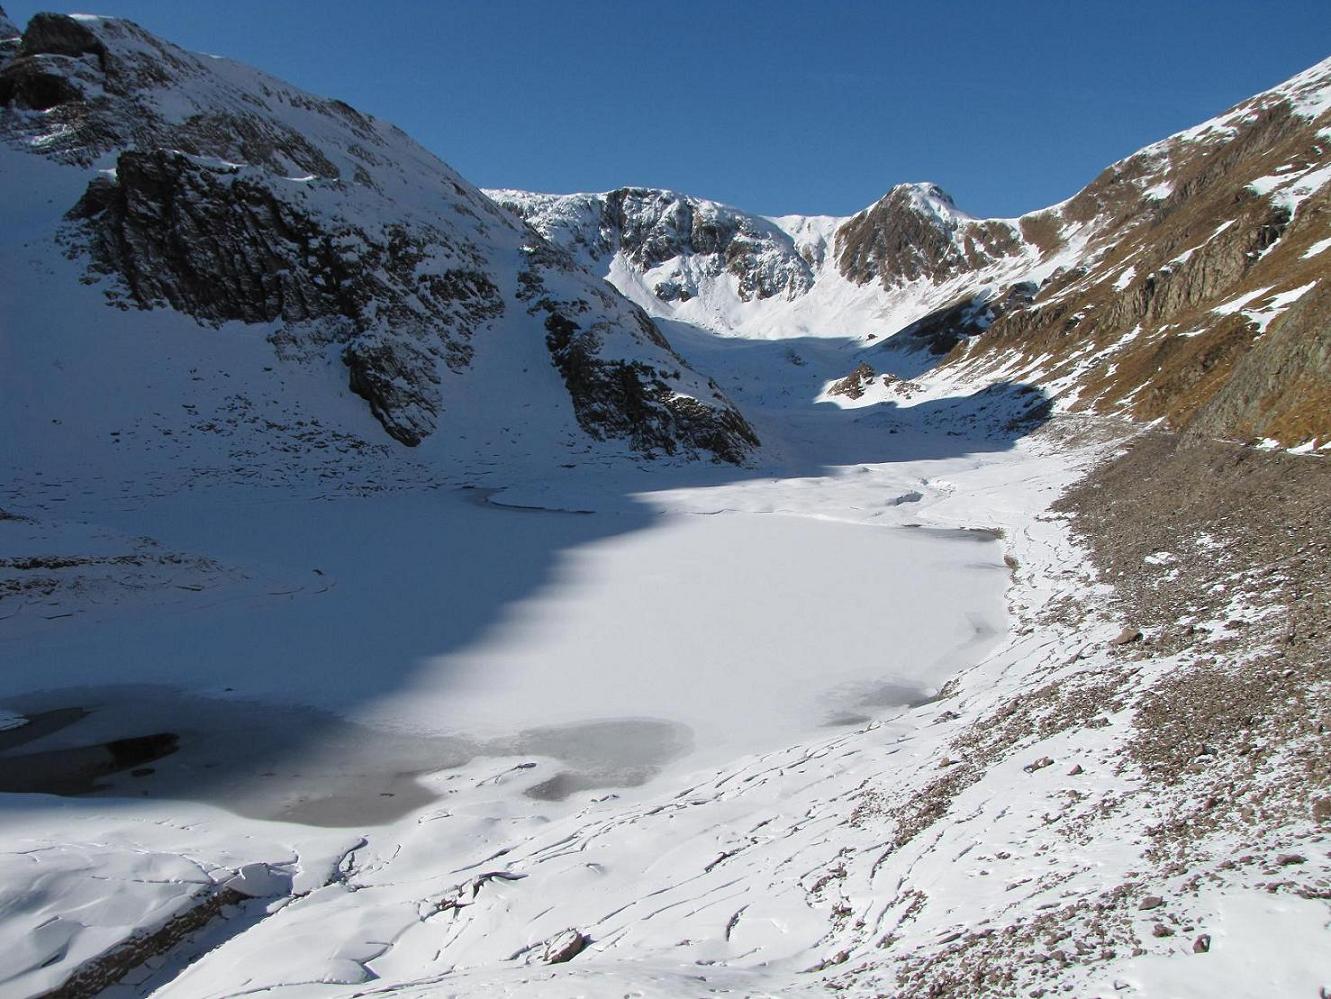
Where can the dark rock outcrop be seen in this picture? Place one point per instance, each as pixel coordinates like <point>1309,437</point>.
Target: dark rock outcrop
<point>653,405</point>
<point>221,243</point>
<point>854,384</point>
<point>968,317</point>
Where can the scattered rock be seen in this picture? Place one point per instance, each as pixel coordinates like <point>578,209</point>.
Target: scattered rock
<point>564,946</point>
<point>1150,902</point>
<point>1127,636</point>
<point>1288,859</point>
<point>1076,771</point>
<point>854,384</point>
<point>1161,930</point>
<point>1202,944</point>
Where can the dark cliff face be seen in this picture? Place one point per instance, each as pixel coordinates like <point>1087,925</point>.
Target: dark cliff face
<point>220,243</point>
<point>633,398</point>
<point>231,196</point>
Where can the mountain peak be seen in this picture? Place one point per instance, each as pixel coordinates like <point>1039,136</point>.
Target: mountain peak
<point>915,231</point>
<point>927,197</point>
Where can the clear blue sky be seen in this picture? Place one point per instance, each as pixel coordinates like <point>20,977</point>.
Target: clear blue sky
<point>776,107</point>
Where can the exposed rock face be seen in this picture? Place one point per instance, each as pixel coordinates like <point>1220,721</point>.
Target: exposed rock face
<point>916,232</point>
<point>1200,296</point>
<point>221,243</point>
<point>235,197</point>
<point>624,396</point>
<point>677,240</point>
<point>970,316</point>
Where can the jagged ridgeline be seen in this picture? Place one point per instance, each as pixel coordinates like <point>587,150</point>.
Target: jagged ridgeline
<point>225,194</point>
<point>1187,283</point>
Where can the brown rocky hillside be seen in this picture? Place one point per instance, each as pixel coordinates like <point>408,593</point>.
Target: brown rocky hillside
<point>1194,280</point>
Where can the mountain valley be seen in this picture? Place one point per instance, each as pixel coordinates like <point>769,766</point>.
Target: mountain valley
<point>413,589</point>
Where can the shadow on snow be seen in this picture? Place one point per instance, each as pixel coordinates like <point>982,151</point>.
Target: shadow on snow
<point>218,710</point>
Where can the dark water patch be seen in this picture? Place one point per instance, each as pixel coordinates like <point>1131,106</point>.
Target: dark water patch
<point>846,720</point>
<point>860,703</point>
<point>84,769</point>
<point>893,695</point>
<point>623,752</point>
<point>983,534</point>
<point>292,763</point>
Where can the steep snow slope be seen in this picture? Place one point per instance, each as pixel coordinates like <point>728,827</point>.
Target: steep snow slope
<point>199,185</point>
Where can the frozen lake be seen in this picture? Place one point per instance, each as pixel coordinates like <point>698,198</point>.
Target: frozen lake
<point>382,640</point>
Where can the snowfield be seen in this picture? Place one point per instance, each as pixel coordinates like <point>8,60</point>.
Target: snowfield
<point>411,722</point>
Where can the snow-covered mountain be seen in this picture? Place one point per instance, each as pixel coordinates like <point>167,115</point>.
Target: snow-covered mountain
<point>226,195</point>
<point>1186,282</point>
<point>710,265</point>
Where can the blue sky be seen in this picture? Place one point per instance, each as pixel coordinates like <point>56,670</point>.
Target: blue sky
<point>777,107</point>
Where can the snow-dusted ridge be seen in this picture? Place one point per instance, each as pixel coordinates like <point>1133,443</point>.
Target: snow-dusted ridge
<point>692,260</point>
<point>228,195</point>
<point>1136,263</point>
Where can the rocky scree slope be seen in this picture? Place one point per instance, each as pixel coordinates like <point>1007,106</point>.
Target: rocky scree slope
<point>225,194</point>
<point>1186,283</point>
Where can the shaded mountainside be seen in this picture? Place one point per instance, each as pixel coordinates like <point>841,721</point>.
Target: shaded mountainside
<point>227,195</point>
<point>1187,283</point>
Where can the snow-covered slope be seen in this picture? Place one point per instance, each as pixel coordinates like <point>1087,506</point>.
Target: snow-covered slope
<point>199,185</point>
<point>696,261</point>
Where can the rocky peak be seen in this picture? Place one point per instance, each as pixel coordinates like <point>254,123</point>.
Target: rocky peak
<point>916,232</point>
